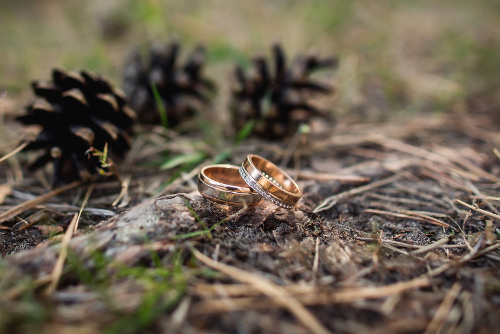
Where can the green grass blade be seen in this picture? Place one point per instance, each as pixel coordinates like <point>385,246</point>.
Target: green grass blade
<point>188,158</point>
<point>161,106</point>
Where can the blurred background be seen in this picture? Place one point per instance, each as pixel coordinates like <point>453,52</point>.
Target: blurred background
<point>402,57</point>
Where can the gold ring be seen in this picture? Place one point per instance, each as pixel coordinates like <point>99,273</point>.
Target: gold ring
<point>270,181</point>
<point>223,184</point>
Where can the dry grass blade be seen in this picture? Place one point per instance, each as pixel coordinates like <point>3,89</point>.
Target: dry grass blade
<point>407,148</point>
<point>432,246</point>
<point>437,173</point>
<point>450,160</point>
<point>486,198</point>
<point>451,155</point>
<point>323,177</point>
<point>402,244</point>
<point>58,267</point>
<point>443,310</point>
<point>14,152</point>
<point>238,290</point>
<point>484,212</point>
<point>412,215</point>
<point>275,292</point>
<point>180,180</point>
<point>124,189</point>
<point>18,290</point>
<point>477,192</point>
<point>316,258</point>
<point>241,297</point>
<point>388,199</point>
<point>332,200</point>
<point>35,218</point>
<point>497,152</point>
<point>474,253</point>
<point>35,201</point>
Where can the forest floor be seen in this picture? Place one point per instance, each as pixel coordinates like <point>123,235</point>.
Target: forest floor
<point>398,230</point>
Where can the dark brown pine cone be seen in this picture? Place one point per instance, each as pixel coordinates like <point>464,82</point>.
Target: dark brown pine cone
<point>278,103</point>
<point>182,89</point>
<point>79,113</point>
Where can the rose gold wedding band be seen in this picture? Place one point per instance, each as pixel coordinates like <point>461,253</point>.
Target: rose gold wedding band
<point>270,181</point>
<point>223,184</point>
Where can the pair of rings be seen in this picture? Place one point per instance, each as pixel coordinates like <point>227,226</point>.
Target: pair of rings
<point>255,179</point>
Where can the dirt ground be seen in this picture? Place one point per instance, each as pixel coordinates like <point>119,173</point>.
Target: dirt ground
<point>398,229</point>
<point>390,249</point>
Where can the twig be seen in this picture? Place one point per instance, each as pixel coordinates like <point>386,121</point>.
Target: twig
<point>332,200</point>
<point>275,292</point>
<point>37,200</point>
<point>484,212</point>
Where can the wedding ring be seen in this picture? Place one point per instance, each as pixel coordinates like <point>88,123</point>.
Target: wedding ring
<point>270,181</point>
<point>223,184</point>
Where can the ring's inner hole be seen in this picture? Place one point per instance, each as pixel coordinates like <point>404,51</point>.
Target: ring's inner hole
<point>226,175</point>
<point>272,171</point>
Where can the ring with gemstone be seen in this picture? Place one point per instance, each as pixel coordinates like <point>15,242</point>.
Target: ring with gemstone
<point>270,181</point>
<point>223,184</point>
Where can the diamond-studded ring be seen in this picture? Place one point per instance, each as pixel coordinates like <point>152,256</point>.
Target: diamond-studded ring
<point>270,181</point>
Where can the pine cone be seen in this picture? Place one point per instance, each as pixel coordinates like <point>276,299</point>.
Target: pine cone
<point>182,90</point>
<point>278,104</point>
<point>78,113</point>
